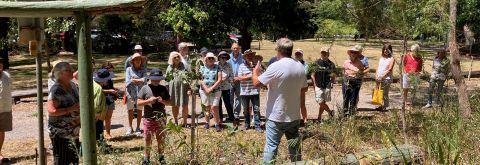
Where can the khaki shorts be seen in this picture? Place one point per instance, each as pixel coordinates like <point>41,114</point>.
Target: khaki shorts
<point>6,121</point>
<point>322,95</point>
<point>211,98</point>
<point>130,105</point>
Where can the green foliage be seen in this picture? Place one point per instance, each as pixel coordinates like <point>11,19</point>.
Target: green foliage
<point>330,28</point>
<point>469,14</point>
<point>184,17</point>
<point>58,24</point>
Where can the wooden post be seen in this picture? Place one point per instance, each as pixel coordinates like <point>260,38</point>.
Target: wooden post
<point>192,127</point>
<point>87,116</point>
<point>41,145</point>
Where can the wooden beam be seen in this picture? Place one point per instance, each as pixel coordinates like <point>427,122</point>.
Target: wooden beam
<point>67,8</point>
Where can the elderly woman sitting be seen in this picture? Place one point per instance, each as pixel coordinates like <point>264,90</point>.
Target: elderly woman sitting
<point>63,115</point>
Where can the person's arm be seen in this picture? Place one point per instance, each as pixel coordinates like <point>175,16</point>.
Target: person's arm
<point>389,69</point>
<point>142,102</point>
<point>218,82</point>
<point>53,111</point>
<point>313,79</point>
<point>266,76</point>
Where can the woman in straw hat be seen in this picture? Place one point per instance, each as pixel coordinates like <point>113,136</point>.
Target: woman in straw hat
<point>209,91</point>
<point>353,71</point>
<point>135,78</point>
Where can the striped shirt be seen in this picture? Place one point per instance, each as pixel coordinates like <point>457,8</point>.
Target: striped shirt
<point>246,86</point>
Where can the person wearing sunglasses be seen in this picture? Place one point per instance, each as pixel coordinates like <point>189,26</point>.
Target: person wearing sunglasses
<point>226,86</point>
<point>176,71</point>
<point>210,92</point>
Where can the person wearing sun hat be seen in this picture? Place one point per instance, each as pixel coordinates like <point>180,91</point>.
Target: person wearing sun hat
<point>154,97</point>
<point>201,60</point>
<point>137,49</point>
<point>248,93</point>
<point>99,100</point>
<point>323,80</point>
<point>209,90</point>
<point>303,109</point>
<point>353,71</point>
<point>135,78</point>
<point>226,85</point>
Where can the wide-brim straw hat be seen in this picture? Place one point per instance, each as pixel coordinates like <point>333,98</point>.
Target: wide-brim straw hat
<point>137,55</point>
<point>248,52</point>
<point>224,54</point>
<point>356,48</point>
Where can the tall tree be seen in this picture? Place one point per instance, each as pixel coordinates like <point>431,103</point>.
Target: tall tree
<point>463,100</point>
<point>218,17</point>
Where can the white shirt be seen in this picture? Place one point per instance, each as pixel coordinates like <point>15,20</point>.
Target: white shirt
<point>5,93</point>
<point>285,79</point>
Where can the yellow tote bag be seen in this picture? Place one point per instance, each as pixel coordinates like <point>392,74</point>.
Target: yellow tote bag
<point>377,96</point>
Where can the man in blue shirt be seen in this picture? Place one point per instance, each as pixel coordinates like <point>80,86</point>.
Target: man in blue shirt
<point>236,58</point>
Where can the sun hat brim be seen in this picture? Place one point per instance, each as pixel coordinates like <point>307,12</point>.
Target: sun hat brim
<point>102,80</point>
<point>156,77</point>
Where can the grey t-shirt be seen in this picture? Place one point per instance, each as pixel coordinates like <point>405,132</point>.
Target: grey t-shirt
<point>152,111</point>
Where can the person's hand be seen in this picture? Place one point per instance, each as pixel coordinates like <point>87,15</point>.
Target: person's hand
<point>75,108</point>
<point>258,68</point>
<point>159,99</point>
<point>152,100</point>
<point>235,79</point>
<point>208,90</point>
<point>189,92</point>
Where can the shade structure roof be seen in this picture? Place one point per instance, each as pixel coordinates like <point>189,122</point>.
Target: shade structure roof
<point>67,8</point>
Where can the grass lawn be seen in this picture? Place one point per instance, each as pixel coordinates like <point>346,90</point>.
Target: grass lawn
<point>23,67</point>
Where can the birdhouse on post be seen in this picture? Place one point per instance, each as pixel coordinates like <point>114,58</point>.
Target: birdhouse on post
<point>31,31</point>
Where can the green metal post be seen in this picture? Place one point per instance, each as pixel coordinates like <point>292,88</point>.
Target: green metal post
<point>41,145</point>
<point>87,115</point>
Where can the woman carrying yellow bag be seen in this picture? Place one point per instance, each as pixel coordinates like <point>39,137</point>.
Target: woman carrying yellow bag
<point>384,76</point>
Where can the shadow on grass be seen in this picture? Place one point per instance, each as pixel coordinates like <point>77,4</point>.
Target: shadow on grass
<point>125,138</point>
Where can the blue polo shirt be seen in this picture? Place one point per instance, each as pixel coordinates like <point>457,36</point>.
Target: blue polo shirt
<point>235,63</point>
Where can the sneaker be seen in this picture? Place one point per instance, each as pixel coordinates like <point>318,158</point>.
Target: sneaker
<point>236,123</point>
<point>161,159</point>
<point>129,131</point>
<point>138,132</point>
<point>246,127</point>
<point>146,160</point>
<point>259,130</point>
<point>207,126</point>
<point>428,106</point>
<point>218,128</point>
<point>331,113</point>
<point>201,115</point>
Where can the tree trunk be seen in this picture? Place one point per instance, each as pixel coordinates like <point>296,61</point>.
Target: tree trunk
<point>4,22</point>
<point>463,101</point>
<point>246,39</point>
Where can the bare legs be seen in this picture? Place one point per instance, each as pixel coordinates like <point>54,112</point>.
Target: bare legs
<point>175,111</point>
<point>108,123</point>
<point>130,118</point>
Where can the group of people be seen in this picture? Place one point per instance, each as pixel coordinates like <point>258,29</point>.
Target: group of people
<point>232,78</point>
